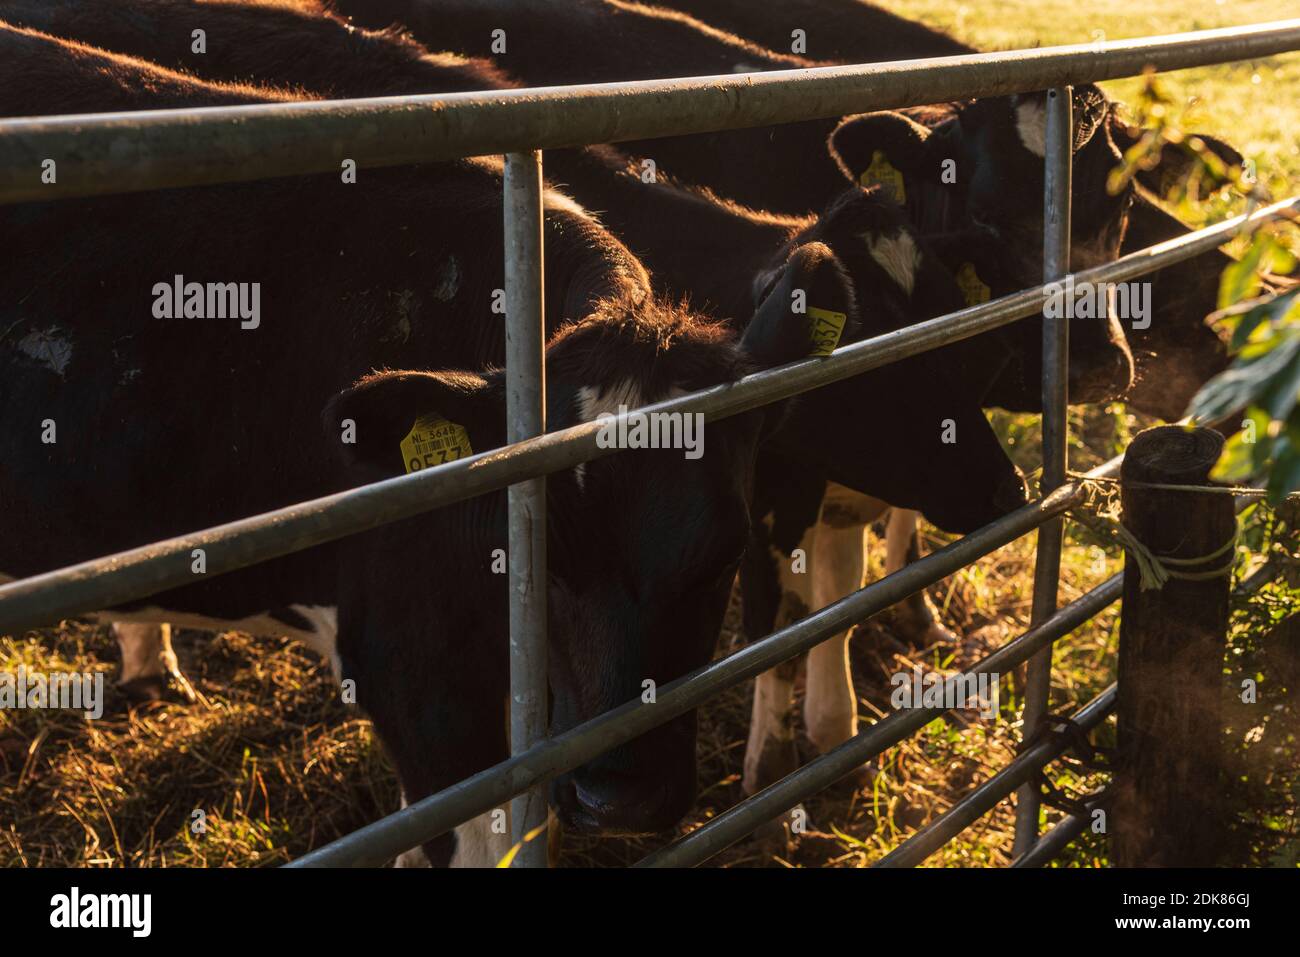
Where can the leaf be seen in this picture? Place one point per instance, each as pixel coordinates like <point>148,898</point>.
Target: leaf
<point>1240,280</point>
<point>1283,387</point>
<point>1273,309</point>
<point>1266,369</point>
<point>1285,477</point>
<point>1237,463</point>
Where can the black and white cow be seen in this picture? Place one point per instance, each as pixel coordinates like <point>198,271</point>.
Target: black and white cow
<point>679,233</point>
<point>121,426</point>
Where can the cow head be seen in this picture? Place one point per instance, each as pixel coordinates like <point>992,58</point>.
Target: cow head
<point>906,431</point>
<point>981,170</point>
<point>643,544</point>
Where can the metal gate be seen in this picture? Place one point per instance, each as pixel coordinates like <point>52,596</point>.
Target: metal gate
<point>125,152</point>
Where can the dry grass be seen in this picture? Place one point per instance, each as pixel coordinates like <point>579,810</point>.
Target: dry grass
<point>279,766</point>
<point>275,763</point>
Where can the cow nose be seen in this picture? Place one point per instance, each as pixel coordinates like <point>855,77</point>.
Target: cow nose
<point>619,803</point>
<point>1011,493</point>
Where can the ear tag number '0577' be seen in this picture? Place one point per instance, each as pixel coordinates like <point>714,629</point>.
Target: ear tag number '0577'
<point>881,173</point>
<point>825,327</point>
<point>434,441</point>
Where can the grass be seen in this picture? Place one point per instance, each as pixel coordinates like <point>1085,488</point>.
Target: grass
<point>276,765</point>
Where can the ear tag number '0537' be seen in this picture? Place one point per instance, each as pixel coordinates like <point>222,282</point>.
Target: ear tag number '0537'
<point>825,327</point>
<point>881,173</point>
<point>971,286</point>
<point>434,441</point>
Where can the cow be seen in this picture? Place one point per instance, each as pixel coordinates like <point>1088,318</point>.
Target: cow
<point>377,297</point>
<point>125,421</point>
<point>607,40</point>
<point>867,233</point>
<point>295,41</point>
<point>1176,353</point>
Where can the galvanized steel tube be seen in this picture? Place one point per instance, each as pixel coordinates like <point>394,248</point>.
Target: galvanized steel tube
<point>975,804</point>
<point>1052,843</point>
<point>125,152</point>
<point>525,418</point>
<point>735,823</point>
<point>136,573</point>
<point>1058,169</point>
<point>439,812</point>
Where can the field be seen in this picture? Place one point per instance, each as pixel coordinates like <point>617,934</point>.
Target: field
<point>276,765</point>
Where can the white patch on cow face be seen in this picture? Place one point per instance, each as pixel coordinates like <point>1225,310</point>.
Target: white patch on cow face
<point>50,347</point>
<point>591,404</point>
<point>627,395</point>
<point>898,256</point>
<point>1031,124</point>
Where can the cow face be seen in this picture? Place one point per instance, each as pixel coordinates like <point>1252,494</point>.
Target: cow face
<point>643,544</point>
<point>902,432</point>
<point>981,169</point>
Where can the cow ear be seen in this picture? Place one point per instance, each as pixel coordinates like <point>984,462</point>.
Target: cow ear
<point>881,149</point>
<point>389,423</point>
<point>1176,162</point>
<point>809,310</point>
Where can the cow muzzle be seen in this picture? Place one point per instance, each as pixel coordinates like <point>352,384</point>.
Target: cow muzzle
<point>616,803</point>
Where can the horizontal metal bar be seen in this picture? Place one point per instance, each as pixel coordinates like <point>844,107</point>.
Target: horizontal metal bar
<point>393,834</point>
<point>1049,845</point>
<point>941,830</point>
<point>137,573</point>
<point>978,802</point>
<point>735,823</point>
<point>123,152</point>
<point>440,812</point>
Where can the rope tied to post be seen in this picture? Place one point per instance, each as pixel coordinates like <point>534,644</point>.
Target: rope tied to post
<point>1154,570</point>
<point>1100,512</point>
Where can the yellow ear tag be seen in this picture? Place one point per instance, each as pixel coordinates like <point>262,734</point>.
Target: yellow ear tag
<point>826,327</point>
<point>881,173</point>
<point>972,288</point>
<point>434,441</point>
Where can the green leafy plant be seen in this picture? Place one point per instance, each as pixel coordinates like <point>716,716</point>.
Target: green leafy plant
<point>1258,311</point>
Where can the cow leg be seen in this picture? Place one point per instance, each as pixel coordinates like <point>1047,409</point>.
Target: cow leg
<point>830,707</point>
<point>147,660</point>
<point>770,753</point>
<point>914,617</point>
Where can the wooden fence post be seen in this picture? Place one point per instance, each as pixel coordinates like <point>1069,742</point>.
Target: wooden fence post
<point>1168,805</point>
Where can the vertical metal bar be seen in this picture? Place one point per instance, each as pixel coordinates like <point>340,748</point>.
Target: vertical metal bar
<point>1058,166</point>
<point>526,417</point>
